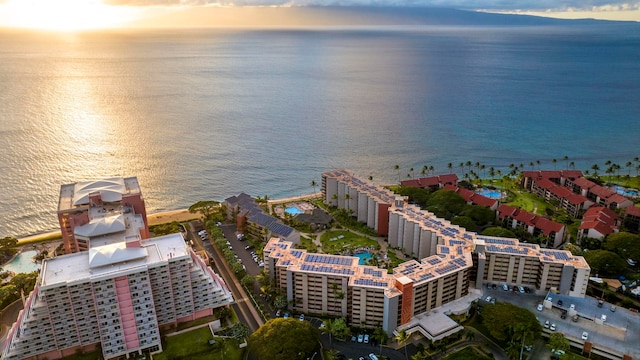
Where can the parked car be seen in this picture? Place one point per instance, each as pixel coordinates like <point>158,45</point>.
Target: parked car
<point>301,318</point>
<point>559,302</point>
<point>360,338</point>
<point>505,287</point>
<point>585,335</point>
<point>286,315</point>
<point>366,338</point>
<point>564,314</point>
<point>546,324</point>
<point>488,299</point>
<point>521,289</point>
<point>552,327</point>
<point>539,307</point>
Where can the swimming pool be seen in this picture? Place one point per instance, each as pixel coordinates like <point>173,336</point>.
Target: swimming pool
<point>492,194</point>
<point>22,263</point>
<point>292,210</point>
<point>626,192</point>
<point>364,257</point>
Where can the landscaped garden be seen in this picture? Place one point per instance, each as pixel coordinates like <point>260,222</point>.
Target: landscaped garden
<point>345,242</point>
<point>195,345</point>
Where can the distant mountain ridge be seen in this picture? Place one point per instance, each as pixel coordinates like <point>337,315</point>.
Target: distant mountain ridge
<point>345,16</point>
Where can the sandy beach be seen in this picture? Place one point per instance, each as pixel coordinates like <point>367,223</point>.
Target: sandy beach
<point>163,218</point>
<point>153,219</point>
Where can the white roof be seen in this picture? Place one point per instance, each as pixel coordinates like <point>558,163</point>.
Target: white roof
<point>113,254</point>
<point>101,226</point>
<point>110,189</point>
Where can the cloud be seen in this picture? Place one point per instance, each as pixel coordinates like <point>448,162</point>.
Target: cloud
<point>528,5</point>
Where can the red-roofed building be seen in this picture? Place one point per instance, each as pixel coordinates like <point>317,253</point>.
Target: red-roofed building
<point>557,176</point>
<point>575,203</point>
<point>432,182</point>
<point>599,194</point>
<point>473,198</point>
<point>580,185</point>
<point>536,225</point>
<point>617,201</point>
<point>598,222</point>
<point>632,218</point>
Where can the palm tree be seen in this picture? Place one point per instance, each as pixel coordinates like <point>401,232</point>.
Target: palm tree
<point>554,161</point>
<point>431,169</point>
<point>531,164</point>
<point>334,199</point>
<point>572,165</point>
<point>371,178</point>
<point>538,162</point>
<point>397,168</point>
<point>327,328</point>
<point>461,168</point>
<point>492,173</point>
<point>468,164</point>
<point>566,160</point>
<point>411,172</point>
<point>402,338</point>
<point>636,160</point>
<point>314,184</point>
<point>450,166</point>
<point>424,170</point>
<point>629,165</point>
<point>347,197</point>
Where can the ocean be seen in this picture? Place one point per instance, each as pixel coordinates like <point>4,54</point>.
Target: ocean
<point>207,114</point>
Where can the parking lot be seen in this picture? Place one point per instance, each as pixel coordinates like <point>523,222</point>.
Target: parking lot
<point>619,333</point>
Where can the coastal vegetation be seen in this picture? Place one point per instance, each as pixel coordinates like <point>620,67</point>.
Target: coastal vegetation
<point>284,339</point>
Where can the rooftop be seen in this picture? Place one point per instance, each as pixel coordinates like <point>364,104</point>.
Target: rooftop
<point>76,195</point>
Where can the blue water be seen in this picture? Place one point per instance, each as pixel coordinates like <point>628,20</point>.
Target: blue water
<point>364,257</point>
<point>493,194</point>
<point>206,114</point>
<point>293,210</point>
<point>626,192</point>
<point>22,263</point>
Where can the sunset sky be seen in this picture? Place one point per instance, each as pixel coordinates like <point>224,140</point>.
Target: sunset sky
<point>96,14</point>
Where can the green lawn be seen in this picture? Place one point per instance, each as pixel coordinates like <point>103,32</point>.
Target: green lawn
<point>195,345</point>
<point>307,244</point>
<point>527,201</point>
<point>337,241</point>
<point>466,353</point>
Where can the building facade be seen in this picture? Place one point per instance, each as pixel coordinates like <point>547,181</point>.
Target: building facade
<point>81,205</point>
<point>451,261</point>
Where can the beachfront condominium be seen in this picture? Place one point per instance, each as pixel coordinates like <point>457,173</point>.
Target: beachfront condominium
<point>448,262</point>
<point>117,294</point>
<point>88,209</point>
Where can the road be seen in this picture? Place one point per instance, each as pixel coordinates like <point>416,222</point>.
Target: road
<point>242,306</point>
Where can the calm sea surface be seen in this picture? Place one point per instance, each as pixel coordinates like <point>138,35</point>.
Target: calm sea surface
<point>208,114</point>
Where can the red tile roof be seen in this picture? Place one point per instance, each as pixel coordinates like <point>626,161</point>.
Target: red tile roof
<point>584,183</point>
<point>571,174</point>
<point>525,217</point>
<point>576,199</point>
<point>600,191</point>
<point>633,211</point>
<point>506,210</point>
<point>599,218</point>
<point>598,226</point>
<point>547,226</point>
<point>617,199</point>
<point>561,191</point>
<point>546,184</point>
<point>481,200</point>
<point>448,179</point>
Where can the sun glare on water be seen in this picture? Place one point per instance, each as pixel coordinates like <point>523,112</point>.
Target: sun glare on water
<point>63,15</point>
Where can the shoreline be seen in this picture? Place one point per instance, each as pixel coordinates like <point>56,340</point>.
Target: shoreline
<point>157,219</point>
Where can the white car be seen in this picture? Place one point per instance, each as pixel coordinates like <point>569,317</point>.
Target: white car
<point>539,307</point>
<point>585,335</point>
<point>488,299</point>
<point>546,324</point>
<point>552,327</point>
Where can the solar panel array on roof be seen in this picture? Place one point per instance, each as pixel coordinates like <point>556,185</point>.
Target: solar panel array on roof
<point>499,241</point>
<point>426,276</point>
<point>328,259</point>
<point>372,272</point>
<point>559,255</point>
<point>456,242</point>
<point>460,261</point>
<point>285,262</point>
<point>281,245</point>
<point>443,249</point>
<point>370,282</point>
<point>450,267</point>
<point>508,250</point>
<point>296,253</point>
<point>468,236</point>
<point>434,260</point>
<point>460,250</point>
<point>326,269</point>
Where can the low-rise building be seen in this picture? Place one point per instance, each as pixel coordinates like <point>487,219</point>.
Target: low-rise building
<point>598,222</point>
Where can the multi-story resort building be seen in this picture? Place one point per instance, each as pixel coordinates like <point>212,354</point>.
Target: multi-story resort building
<point>451,262</point>
<point>86,208</point>
<point>117,295</point>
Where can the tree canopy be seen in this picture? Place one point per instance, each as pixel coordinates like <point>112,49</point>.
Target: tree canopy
<point>283,339</point>
<point>447,200</point>
<point>205,207</point>
<point>506,321</point>
<point>481,215</point>
<point>625,244</point>
<point>464,221</point>
<point>499,232</point>
<point>604,262</point>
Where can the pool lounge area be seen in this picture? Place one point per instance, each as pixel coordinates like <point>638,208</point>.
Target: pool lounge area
<point>631,193</point>
<point>22,263</point>
<point>490,193</point>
